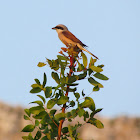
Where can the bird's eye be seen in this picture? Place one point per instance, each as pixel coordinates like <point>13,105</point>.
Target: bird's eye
<point>58,27</point>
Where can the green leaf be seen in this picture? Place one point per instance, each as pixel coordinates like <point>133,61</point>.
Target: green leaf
<point>92,61</point>
<point>59,116</point>
<point>95,112</point>
<point>48,92</point>
<point>72,103</point>
<point>41,97</point>
<point>84,59</point>
<point>86,115</point>
<point>35,85</point>
<point>75,84</point>
<point>28,128</point>
<point>62,100</point>
<point>74,113</point>
<point>45,80</point>
<point>36,109</point>
<point>46,119</point>
<point>49,62</point>
<point>56,77</point>
<point>51,103</point>
<point>35,90</point>
<point>29,137</point>
<point>70,120</point>
<point>83,94</point>
<point>101,66</point>
<point>65,130</point>
<point>98,110</point>
<point>58,86</point>
<point>77,95</point>
<point>25,138</point>
<point>72,79</point>
<point>96,88</point>
<point>38,102</point>
<point>90,71</point>
<point>40,115</point>
<point>81,112</point>
<point>37,81</point>
<point>46,129</point>
<point>52,112</point>
<point>45,138</point>
<point>63,80</point>
<point>38,135</point>
<point>82,76</point>
<point>36,123</point>
<point>72,89</point>
<point>96,123</point>
<point>100,76</point>
<point>94,82</point>
<point>96,69</point>
<point>62,70</point>
<point>54,64</point>
<point>88,103</point>
<point>27,111</point>
<point>41,64</point>
<point>26,117</point>
<point>70,131</point>
<point>68,115</point>
<point>80,67</point>
<point>62,57</point>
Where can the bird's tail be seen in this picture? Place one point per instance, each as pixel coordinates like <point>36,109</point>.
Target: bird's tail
<point>82,48</point>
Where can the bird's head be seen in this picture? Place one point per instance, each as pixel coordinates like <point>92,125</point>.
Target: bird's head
<point>59,28</point>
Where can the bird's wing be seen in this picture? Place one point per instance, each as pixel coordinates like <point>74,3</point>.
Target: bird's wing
<point>69,35</point>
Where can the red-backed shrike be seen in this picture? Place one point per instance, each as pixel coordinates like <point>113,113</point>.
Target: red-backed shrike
<point>69,39</point>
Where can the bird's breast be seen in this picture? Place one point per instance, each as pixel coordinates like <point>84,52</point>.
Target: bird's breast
<point>68,42</point>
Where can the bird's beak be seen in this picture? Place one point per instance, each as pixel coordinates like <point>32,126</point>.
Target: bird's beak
<point>53,28</point>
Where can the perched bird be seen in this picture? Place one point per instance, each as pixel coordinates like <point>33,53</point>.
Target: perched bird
<point>69,39</point>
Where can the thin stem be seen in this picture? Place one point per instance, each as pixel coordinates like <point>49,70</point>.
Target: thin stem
<point>51,118</point>
<point>67,91</point>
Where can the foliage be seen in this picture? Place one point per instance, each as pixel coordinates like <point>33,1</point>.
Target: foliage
<point>66,72</point>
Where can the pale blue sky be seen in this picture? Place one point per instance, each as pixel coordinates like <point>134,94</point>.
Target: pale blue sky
<point>111,29</point>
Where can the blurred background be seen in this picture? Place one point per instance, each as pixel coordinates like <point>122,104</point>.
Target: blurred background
<point>111,29</point>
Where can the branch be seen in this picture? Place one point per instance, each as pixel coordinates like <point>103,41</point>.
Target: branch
<point>67,91</point>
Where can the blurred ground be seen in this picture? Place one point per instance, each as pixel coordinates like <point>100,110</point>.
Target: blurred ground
<point>120,128</point>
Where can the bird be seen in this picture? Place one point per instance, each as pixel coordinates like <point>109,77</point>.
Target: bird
<point>69,39</point>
